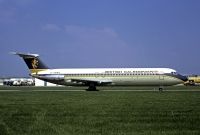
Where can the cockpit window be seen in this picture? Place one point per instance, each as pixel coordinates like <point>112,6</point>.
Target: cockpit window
<point>174,73</point>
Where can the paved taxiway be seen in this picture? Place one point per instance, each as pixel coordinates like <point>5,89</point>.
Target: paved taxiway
<point>97,91</point>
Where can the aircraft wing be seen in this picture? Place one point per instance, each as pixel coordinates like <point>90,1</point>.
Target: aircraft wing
<point>96,81</point>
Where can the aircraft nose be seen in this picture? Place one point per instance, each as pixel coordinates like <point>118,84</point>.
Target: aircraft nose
<point>183,78</point>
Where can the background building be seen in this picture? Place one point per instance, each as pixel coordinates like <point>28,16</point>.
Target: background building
<point>39,82</point>
<point>1,81</point>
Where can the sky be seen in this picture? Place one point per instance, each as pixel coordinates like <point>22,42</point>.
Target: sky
<point>101,34</point>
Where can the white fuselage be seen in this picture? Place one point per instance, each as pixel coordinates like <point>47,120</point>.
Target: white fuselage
<point>112,76</point>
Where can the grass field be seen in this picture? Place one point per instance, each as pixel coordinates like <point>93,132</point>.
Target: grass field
<point>29,112</point>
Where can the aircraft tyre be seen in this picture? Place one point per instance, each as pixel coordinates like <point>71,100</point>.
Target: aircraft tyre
<point>160,89</point>
<point>92,87</point>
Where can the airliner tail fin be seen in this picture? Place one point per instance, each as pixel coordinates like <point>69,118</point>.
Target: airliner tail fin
<point>32,61</point>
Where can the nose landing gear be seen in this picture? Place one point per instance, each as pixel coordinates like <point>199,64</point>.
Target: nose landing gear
<point>160,88</point>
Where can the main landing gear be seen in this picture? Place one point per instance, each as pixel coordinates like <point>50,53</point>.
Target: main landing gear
<point>92,87</point>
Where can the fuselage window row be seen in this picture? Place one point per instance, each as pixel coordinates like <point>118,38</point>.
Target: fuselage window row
<point>108,74</point>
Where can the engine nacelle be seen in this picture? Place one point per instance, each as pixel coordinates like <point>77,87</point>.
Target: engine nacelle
<point>50,77</point>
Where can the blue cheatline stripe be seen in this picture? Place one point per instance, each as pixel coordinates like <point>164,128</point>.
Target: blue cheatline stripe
<point>178,76</point>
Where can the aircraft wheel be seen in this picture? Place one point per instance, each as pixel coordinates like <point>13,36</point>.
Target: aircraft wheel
<point>92,87</point>
<point>160,89</point>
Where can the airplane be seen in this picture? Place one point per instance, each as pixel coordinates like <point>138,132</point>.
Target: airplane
<point>93,77</point>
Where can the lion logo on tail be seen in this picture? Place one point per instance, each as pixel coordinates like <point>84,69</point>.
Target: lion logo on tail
<point>35,63</point>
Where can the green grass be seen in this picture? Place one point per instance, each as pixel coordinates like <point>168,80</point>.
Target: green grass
<point>95,113</point>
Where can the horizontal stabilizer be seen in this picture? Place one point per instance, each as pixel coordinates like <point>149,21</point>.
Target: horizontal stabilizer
<point>25,55</point>
<point>32,61</point>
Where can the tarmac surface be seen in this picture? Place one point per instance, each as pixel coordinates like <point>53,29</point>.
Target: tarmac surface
<point>10,90</point>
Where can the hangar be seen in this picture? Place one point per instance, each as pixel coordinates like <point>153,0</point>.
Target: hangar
<point>1,82</point>
<point>39,82</point>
